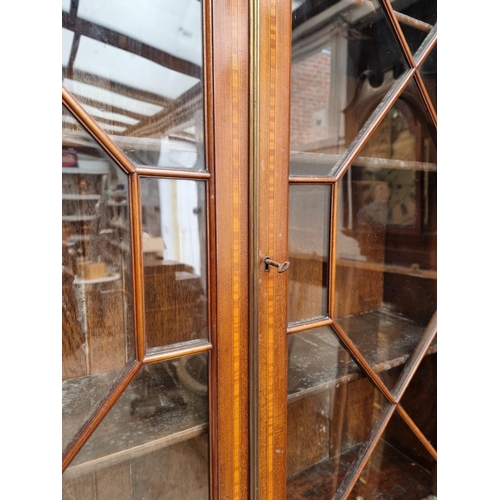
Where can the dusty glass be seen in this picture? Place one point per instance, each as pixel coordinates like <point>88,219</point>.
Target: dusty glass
<point>175,259</point>
<point>137,68</point>
<point>154,442</point>
<point>341,51</point>
<point>97,314</point>
<point>309,251</point>
<point>386,245</point>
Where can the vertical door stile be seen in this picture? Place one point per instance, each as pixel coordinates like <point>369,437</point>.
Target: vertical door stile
<point>269,145</point>
<point>230,97</point>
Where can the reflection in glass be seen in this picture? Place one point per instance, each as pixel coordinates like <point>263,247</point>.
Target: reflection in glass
<point>331,409</point>
<point>420,398</point>
<point>428,70</point>
<point>342,53</point>
<point>141,60</point>
<point>153,443</point>
<point>400,468</point>
<point>174,246</point>
<point>97,315</point>
<point>386,236</point>
<point>309,251</point>
<point>416,18</point>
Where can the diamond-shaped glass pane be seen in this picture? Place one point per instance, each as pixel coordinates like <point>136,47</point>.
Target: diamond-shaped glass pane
<point>385,290</point>
<point>153,443</point>
<point>309,251</point>
<point>400,467</point>
<point>136,67</point>
<point>331,410</point>
<point>341,53</point>
<point>97,314</point>
<point>416,18</point>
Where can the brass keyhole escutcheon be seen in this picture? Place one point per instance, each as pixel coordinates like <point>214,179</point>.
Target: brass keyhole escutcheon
<point>281,267</point>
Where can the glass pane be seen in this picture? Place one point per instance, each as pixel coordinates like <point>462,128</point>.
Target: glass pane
<point>153,443</point>
<point>428,70</point>
<point>400,467</point>
<point>331,409</point>
<point>420,398</point>
<point>175,257</point>
<point>309,251</point>
<point>416,18</point>
<point>136,67</point>
<point>341,53</point>
<point>97,315</point>
<point>386,236</point>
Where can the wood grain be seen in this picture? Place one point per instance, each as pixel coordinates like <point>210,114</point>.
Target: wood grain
<point>230,132</point>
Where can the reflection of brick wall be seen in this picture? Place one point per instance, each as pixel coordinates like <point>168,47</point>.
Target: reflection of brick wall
<point>310,100</point>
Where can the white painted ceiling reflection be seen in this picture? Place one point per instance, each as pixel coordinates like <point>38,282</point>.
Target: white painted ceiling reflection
<point>120,66</point>
<point>110,98</point>
<point>172,26</point>
<point>116,117</point>
<point>105,126</point>
<point>67,40</point>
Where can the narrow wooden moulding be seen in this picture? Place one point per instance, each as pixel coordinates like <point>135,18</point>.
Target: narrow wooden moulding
<point>364,454</point>
<point>361,361</point>
<point>91,126</point>
<point>137,265</point>
<point>425,96</point>
<point>99,415</point>
<point>333,250</point>
<point>173,173</point>
<point>393,21</point>
<point>411,424</point>
<point>426,48</point>
<point>348,157</point>
<point>416,358</point>
<point>308,325</point>
<point>170,352</point>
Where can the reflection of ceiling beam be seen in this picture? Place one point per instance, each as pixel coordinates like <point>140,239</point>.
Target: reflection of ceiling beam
<point>115,39</point>
<point>110,109</point>
<point>119,88</point>
<point>175,113</point>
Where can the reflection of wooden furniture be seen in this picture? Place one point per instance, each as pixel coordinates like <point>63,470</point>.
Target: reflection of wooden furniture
<point>95,340</point>
<point>175,307</point>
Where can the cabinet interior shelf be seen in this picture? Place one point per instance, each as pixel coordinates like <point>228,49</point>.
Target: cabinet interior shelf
<point>414,270</point>
<point>75,218</point>
<point>385,339</point>
<point>123,435</point>
<point>391,467</point>
<point>322,163</point>
<point>71,196</point>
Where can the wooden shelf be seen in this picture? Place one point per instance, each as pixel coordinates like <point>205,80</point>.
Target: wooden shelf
<point>123,436</point>
<point>395,476</point>
<point>389,268</point>
<point>88,167</point>
<point>318,362</point>
<point>76,218</point>
<point>81,196</point>
<point>320,164</point>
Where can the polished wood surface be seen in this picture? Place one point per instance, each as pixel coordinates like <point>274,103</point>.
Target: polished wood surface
<point>230,134</point>
<point>270,96</point>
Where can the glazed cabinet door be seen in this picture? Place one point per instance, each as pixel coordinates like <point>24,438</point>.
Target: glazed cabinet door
<point>359,344</point>
<point>154,273</point>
